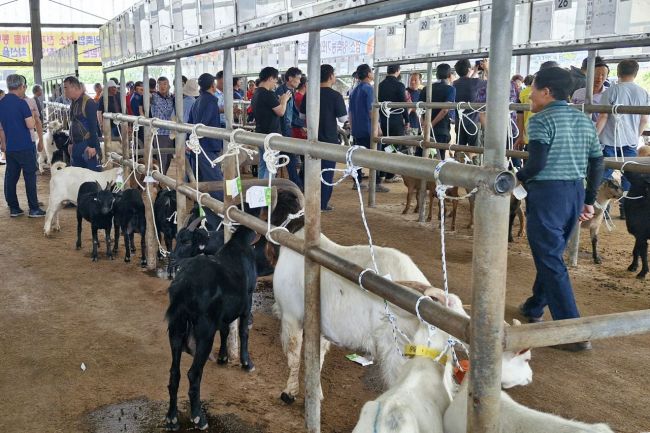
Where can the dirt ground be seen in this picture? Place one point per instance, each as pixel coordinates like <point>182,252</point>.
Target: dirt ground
<point>60,310</point>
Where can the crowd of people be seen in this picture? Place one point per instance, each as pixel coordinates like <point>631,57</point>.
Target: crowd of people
<point>565,147</point>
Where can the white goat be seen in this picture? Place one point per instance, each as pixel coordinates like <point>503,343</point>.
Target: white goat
<point>49,147</point>
<point>516,418</point>
<point>417,402</point>
<point>64,187</point>
<point>350,316</point>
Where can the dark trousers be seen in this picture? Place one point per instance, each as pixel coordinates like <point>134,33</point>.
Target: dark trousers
<point>326,190</point>
<point>611,151</point>
<point>364,142</point>
<point>552,210</point>
<point>207,173</point>
<point>394,127</point>
<point>17,161</point>
<point>292,169</point>
<point>165,142</point>
<point>80,157</point>
<point>440,138</point>
<point>468,133</point>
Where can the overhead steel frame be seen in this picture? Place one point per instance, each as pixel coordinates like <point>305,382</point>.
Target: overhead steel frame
<point>488,337</point>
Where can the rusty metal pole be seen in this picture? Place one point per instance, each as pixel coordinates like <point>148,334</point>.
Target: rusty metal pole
<point>426,129</point>
<point>152,244</point>
<point>489,262</point>
<point>374,120</point>
<point>311,327</point>
<point>179,156</point>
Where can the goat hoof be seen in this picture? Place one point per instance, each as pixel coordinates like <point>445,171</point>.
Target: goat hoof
<point>641,275</point>
<point>127,259</point>
<point>510,239</point>
<point>133,250</point>
<point>143,263</point>
<point>405,211</point>
<point>95,259</point>
<point>249,368</point>
<point>172,424</point>
<point>598,260</point>
<point>632,268</point>
<point>222,360</point>
<point>288,399</point>
<point>200,422</point>
<point>78,247</point>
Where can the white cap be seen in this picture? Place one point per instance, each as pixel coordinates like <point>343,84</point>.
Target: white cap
<point>111,83</point>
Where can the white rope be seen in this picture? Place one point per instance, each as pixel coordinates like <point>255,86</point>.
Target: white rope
<point>419,110</point>
<point>149,180</point>
<point>194,145</point>
<point>441,190</point>
<point>283,226</point>
<point>273,160</point>
<point>607,217</point>
<point>233,150</point>
<point>134,147</point>
<point>464,118</point>
<point>387,112</point>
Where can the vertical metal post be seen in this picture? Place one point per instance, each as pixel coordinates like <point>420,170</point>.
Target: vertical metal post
<point>37,40</point>
<point>574,241</point>
<point>181,200</point>
<point>229,165</point>
<point>591,71</point>
<point>489,262</point>
<point>312,239</point>
<point>124,127</point>
<point>152,244</point>
<point>374,120</point>
<point>106,124</point>
<point>426,129</point>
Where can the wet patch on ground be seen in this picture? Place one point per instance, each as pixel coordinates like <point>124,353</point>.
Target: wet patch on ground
<point>146,416</point>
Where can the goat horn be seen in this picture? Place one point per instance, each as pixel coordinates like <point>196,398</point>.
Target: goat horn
<point>194,224</point>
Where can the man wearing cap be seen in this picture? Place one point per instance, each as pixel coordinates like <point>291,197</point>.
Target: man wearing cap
<point>361,100</point>
<point>114,104</point>
<point>83,126</point>
<point>205,110</point>
<point>190,93</point>
<point>16,121</point>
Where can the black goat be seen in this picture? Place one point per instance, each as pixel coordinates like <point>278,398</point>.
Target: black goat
<point>207,294</point>
<point>61,140</point>
<point>637,219</point>
<point>129,217</point>
<point>164,209</point>
<point>95,205</point>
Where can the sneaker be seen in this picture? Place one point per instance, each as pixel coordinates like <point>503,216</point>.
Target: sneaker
<point>363,186</point>
<point>394,179</point>
<point>37,213</point>
<point>327,209</point>
<point>580,346</point>
<point>16,212</point>
<point>381,188</point>
<point>3,161</point>
<point>530,319</point>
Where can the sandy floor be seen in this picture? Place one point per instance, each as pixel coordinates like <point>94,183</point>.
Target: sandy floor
<point>59,309</point>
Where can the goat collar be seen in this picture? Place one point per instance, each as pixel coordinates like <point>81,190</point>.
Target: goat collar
<point>427,352</point>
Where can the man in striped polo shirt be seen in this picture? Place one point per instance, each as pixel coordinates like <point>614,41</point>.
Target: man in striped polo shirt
<point>564,149</point>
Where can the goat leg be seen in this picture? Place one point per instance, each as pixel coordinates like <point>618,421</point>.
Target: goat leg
<point>143,249</point>
<point>643,253</point>
<point>109,252</point>
<point>176,330</point>
<point>95,242</point>
<point>127,246</point>
<point>292,344</point>
<point>409,195</point>
<point>132,236</point>
<point>116,227</point>
<point>79,219</point>
<point>222,359</point>
<point>244,356</point>
<point>594,250</point>
<point>204,332</point>
<point>635,257</point>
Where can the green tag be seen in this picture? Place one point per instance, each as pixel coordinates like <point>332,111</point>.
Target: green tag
<point>201,212</point>
<point>267,195</point>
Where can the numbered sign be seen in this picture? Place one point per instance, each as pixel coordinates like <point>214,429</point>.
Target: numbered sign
<point>391,30</point>
<point>562,4</point>
<point>462,18</point>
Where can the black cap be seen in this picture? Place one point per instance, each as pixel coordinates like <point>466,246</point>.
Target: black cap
<point>363,68</point>
<point>205,81</point>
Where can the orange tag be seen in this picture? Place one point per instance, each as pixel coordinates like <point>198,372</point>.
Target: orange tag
<point>459,372</point>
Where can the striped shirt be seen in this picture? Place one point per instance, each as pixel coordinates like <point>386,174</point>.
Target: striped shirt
<point>571,138</point>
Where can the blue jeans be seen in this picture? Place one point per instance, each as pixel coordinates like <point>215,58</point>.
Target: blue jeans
<point>608,151</point>
<point>17,161</point>
<point>292,169</point>
<point>552,209</point>
<point>80,157</point>
<point>326,190</point>
<point>262,173</point>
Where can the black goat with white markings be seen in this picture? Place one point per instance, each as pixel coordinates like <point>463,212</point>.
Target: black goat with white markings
<point>129,217</point>
<point>637,219</point>
<point>95,205</point>
<point>164,210</point>
<point>208,293</point>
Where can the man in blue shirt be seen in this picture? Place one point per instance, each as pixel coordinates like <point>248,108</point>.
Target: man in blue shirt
<point>218,93</point>
<point>206,111</point>
<point>288,121</point>
<point>361,100</point>
<point>16,121</point>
